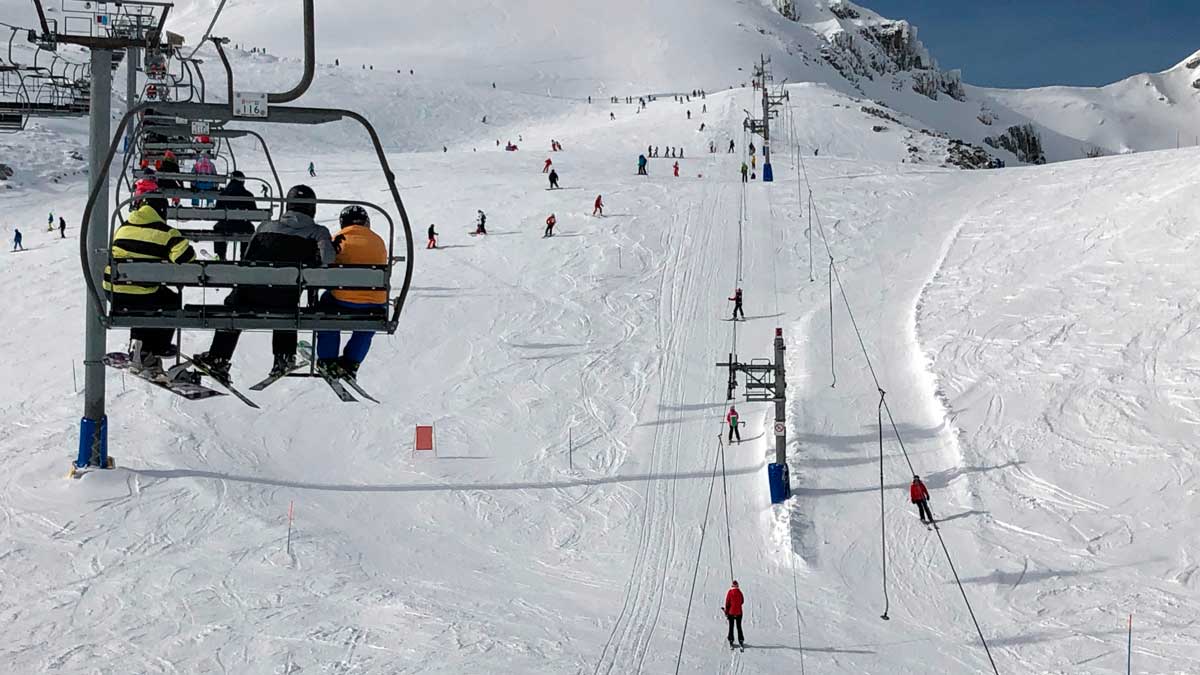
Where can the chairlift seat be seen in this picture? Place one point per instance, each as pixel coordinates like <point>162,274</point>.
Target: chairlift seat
<point>220,274</point>
<point>189,213</point>
<point>214,236</point>
<point>220,317</point>
<point>173,175</point>
<point>177,147</point>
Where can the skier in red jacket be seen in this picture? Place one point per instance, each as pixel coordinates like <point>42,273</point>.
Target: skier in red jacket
<point>550,223</point>
<point>546,168</point>
<point>737,305</point>
<point>731,418</point>
<point>599,208</point>
<point>733,614</point>
<point>920,497</point>
<point>677,169</point>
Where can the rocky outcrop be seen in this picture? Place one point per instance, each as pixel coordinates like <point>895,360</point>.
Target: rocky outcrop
<point>6,172</point>
<point>843,10</point>
<point>1193,64</point>
<point>932,82</point>
<point>1022,141</point>
<point>885,48</point>
<point>967,156</point>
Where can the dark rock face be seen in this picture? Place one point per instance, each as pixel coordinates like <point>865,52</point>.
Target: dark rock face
<point>843,10</point>
<point>967,156</point>
<point>1022,141</point>
<point>6,172</point>
<point>1193,64</point>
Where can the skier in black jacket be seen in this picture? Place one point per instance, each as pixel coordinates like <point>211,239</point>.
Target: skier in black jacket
<point>293,239</point>
<point>235,188</point>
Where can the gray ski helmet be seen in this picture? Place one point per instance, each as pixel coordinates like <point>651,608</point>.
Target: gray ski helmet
<point>354,215</point>
<point>302,192</point>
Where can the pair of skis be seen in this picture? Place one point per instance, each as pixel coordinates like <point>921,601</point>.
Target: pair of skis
<point>337,384</point>
<point>194,391</point>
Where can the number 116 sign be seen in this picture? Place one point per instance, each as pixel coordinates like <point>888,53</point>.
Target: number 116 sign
<point>249,104</point>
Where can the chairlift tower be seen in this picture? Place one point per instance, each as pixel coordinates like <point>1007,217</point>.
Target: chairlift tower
<point>767,381</point>
<point>770,103</point>
<point>104,28</point>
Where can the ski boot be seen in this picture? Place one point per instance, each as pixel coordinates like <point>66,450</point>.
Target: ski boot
<point>349,368</point>
<point>143,362</point>
<point>328,366</point>
<point>284,364</point>
<point>218,368</point>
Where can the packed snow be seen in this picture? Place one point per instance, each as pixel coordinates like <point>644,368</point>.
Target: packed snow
<point>1032,328</point>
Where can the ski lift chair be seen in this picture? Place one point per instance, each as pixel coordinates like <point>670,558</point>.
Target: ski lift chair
<point>206,277</point>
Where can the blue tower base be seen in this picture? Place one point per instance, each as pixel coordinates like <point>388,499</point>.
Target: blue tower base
<point>93,443</point>
<point>781,484</point>
<point>768,173</point>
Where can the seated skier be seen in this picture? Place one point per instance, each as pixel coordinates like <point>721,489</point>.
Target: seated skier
<point>356,244</point>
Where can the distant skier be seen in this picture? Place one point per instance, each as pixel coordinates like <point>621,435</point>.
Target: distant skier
<point>62,227</point>
<point>553,179</point>
<point>481,223</point>
<point>598,209</point>
<point>753,162</point>
<point>920,496</point>
<point>550,223</point>
<point>50,222</point>
<point>731,418</point>
<point>17,240</point>
<point>731,146</point>
<point>745,173</point>
<point>642,165</point>
<point>704,108</point>
<point>737,305</point>
<point>676,169</point>
<point>751,148</point>
<point>680,153</point>
<point>733,614</point>
<point>702,125</point>
<point>689,114</point>
<point>612,116</point>
<point>312,170</point>
<point>432,237</point>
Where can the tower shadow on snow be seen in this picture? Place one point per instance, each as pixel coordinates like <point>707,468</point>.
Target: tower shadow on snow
<point>169,474</point>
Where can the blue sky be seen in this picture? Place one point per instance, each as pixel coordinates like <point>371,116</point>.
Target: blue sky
<point>1029,43</point>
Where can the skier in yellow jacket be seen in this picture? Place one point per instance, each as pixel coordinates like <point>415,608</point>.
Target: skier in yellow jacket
<point>356,245</point>
<point>145,236</point>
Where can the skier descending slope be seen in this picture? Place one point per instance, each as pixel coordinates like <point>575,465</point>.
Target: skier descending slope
<point>17,240</point>
<point>546,166</point>
<point>737,305</point>
<point>642,165</point>
<point>598,209</point>
<point>553,179</point>
<point>731,418</point>
<point>920,496</point>
<point>481,223</point>
<point>733,614</point>
<point>550,223</point>
<point>432,237</point>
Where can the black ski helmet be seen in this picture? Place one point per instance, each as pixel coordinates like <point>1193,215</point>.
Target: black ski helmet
<point>354,215</point>
<point>302,192</point>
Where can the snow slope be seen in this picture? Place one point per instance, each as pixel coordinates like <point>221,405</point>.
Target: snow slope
<point>1151,111</point>
<point>599,344</point>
